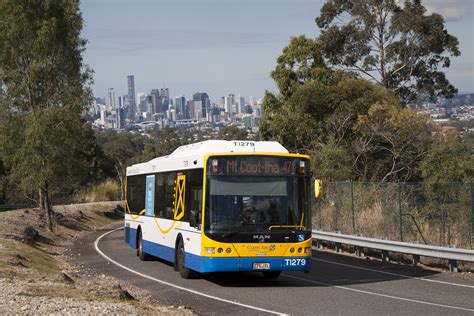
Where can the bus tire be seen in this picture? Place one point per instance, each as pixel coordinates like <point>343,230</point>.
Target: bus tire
<point>183,271</point>
<point>271,274</point>
<point>141,254</point>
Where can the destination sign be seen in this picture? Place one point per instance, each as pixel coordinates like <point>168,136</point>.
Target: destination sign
<point>257,165</point>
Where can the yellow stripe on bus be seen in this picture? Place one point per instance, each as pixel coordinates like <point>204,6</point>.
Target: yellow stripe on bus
<point>134,217</point>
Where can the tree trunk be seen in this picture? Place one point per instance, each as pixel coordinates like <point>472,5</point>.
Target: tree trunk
<point>45,204</point>
<point>118,169</point>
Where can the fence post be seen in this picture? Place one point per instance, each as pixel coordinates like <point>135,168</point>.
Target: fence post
<point>400,212</point>
<point>353,209</point>
<point>472,214</point>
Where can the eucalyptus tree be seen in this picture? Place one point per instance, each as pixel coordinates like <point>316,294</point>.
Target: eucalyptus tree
<point>391,42</point>
<point>46,143</point>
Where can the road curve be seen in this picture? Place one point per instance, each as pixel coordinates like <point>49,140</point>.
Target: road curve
<point>336,285</point>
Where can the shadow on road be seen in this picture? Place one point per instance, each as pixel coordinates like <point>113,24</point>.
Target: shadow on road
<point>328,270</point>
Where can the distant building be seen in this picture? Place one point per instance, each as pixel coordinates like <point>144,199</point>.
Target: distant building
<point>190,109</point>
<point>120,118</point>
<point>180,106</point>
<point>131,97</point>
<point>156,102</point>
<point>203,97</point>
<point>229,103</point>
<point>111,98</point>
<point>240,104</point>
<point>123,101</point>
<point>165,93</point>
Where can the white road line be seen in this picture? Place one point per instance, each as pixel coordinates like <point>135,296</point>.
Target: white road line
<point>395,274</point>
<point>378,294</point>
<point>96,245</point>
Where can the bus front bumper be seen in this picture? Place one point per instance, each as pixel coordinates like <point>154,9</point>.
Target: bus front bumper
<point>213,264</point>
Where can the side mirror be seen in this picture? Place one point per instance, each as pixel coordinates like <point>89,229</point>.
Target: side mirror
<point>318,188</point>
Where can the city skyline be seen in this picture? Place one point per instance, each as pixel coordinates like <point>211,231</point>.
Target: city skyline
<point>231,48</point>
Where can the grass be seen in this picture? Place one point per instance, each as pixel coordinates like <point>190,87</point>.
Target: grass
<point>14,254</point>
<point>108,190</point>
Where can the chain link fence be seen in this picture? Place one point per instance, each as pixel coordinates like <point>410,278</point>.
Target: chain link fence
<point>434,214</point>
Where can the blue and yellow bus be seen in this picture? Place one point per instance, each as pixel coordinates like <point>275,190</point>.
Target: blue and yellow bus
<point>220,206</point>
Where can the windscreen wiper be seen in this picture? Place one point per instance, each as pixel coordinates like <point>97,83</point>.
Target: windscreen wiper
<point>287,226</point>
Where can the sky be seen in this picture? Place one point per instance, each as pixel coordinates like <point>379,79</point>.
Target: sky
<point>220,46</point>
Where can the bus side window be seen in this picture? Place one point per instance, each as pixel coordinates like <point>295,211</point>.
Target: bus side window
<point>136,193</point>
<point>159,196</point>
<point>169,185</point>
<point>194,196</point>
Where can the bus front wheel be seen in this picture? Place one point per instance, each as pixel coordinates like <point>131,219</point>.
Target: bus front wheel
<point>141,254</point>
<point>183,271</point>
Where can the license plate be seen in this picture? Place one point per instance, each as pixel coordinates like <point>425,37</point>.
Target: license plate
<point>261,266</point>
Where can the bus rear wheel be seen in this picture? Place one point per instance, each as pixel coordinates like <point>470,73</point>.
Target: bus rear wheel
<point>141,254</point>
<point>183,271</point>
<point>271,274</point>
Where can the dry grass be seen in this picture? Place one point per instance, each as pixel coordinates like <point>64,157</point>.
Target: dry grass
<point>39,262</point>
<point>109,190</point>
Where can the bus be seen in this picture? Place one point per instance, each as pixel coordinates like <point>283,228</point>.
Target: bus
<point>222,206</point>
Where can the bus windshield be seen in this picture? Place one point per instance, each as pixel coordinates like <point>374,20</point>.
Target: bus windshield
<point>237,202</point>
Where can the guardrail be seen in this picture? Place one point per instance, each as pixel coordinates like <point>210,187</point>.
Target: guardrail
<point>453,255</point>
<point>15,207</point>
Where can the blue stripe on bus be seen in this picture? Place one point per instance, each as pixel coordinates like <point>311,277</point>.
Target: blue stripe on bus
<point>213,264</point>
<point>209,264</point>
<point>130,237</point>
<point>157,250</point>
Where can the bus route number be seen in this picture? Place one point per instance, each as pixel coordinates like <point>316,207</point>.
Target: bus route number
<point>244,144</point>
<point>295,262</point>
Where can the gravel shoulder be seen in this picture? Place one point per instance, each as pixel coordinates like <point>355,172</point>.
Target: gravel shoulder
<point>37,277</point>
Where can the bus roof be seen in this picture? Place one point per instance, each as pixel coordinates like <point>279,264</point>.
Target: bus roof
<point>192,156</point>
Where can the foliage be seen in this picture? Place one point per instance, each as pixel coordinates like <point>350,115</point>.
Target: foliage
<point>450,159</point>
<point>397,46</point>
<point>232,132</point>
<point>391,143</point>
<point>108,190</point>
<point>332,161</point>
<point>353,128</point>
<point>121,150</point>
<point>325,106</point>
<point>161,143</point>
<point>300,61</point>
<point>44,140</point>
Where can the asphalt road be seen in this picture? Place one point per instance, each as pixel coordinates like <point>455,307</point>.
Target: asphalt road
<point>336,285</point>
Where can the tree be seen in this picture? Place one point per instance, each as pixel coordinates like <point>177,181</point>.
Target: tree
<point>397,46</point>
<point>391,143</point>
<point>327,105</point>
<point>123,149</point>
<point>161,143</point>
<point>232,132</point>
<point>450,159</point>
<point>45,140</point>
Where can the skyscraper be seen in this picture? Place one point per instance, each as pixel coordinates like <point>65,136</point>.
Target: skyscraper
<point>180,105</point>
<point>131,96</point>
<point>123,101</point>
<point>111,98</point>
<point>205,102</point>
<point>165,93</point>
<point>155,100</point>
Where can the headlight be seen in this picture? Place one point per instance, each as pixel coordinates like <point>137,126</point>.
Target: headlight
<point>210,250</point>
<point>307,249</point>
